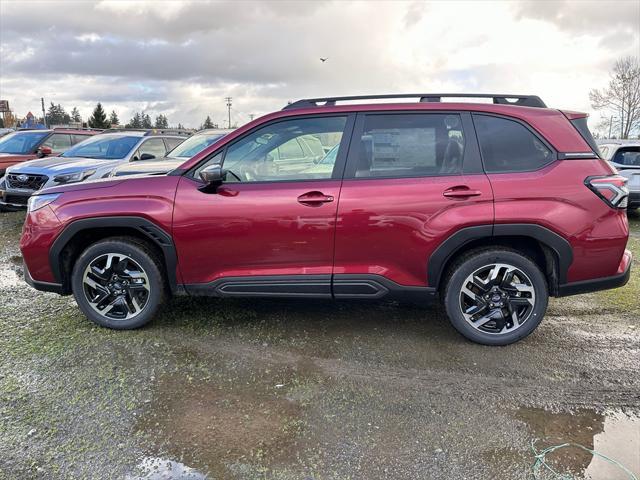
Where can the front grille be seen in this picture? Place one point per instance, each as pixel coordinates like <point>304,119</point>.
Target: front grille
<point>26,181</point>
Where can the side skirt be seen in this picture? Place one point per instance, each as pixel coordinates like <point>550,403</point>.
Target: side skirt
<point>311,286</point>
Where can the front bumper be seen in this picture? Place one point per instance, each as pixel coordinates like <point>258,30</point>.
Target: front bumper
<point>620,279</point>
<point>14,199</point>
<point>42,286</point>
<point>634,200</point>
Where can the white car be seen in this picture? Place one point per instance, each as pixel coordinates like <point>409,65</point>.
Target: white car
<point>625,156</point>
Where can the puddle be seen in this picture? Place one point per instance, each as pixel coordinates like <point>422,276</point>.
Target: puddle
<point>214,427</point>
<point>613,434</point>
<point>155,468</point>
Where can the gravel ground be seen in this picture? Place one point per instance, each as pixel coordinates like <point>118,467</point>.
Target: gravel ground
<point>278,389</point>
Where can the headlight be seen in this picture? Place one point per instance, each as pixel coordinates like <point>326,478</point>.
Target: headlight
<point>73,177</point>
<point>36,202</point>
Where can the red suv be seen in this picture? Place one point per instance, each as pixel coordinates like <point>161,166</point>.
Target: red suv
<point>490,207</point>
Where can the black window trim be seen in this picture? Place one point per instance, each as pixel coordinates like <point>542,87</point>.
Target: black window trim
<point>471,162</point>
<point>338,169</point>
<point>534,132</point>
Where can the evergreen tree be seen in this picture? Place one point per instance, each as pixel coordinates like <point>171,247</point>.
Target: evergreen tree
<point>207,123</point>
<point>98,118</point>
<point>75,115</point>
<point>135,122</point>
<point>162,121</point>
<point>56,115</point>
<point>146,121</point>
<point>113,118</point>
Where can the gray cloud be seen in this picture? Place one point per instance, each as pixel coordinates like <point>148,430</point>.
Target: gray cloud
<point>584,16</point>
<point>182,59</point>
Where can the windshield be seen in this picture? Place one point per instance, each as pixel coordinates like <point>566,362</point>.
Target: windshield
<point>21,142</point>
<point>194,144</point>
<point>105,147</point>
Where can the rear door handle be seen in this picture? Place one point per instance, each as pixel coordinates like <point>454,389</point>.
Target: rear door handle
<point>461,192</point>
<point>314,199</point>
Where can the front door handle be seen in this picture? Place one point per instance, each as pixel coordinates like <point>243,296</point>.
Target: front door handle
<point>461,192</point>
<point>314,199</point>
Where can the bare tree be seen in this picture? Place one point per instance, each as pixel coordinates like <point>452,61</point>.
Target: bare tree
<point>622,96</point>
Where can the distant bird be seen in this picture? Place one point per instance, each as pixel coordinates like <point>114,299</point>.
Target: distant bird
<point>324,59</point>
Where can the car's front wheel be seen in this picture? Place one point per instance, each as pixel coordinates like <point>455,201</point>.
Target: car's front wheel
<point>495,296</point>
<point>118,283</point>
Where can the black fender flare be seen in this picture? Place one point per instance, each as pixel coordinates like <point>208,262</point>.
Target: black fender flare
<point>447,249</point>
<point>147,228</point>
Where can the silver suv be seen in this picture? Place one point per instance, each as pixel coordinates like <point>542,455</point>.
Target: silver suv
<point>625,156</point>
<point>91,159</point>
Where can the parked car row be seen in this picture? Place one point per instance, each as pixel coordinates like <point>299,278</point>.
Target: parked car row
<point>37,159</point>
<point>491,208</point>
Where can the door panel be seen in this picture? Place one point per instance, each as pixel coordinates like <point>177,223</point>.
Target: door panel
<point>254,229</point>
<point>265,220</point>
<point>391,227</point>
<point>429,185</point>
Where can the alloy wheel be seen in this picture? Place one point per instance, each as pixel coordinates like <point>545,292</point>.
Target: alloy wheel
<point>497,298</point>
<point>116,286</point>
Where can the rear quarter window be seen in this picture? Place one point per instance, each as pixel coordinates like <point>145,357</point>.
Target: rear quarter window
<point>508,146</point>
<point>580,124</point>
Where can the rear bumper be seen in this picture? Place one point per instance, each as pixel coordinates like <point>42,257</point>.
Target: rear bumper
<point>42,286</point>
<point>618,280</point>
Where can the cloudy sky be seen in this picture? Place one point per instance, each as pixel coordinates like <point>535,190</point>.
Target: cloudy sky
<point>181,58</point>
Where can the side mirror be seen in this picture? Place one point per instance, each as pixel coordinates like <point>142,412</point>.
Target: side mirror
<point>213,175</point>
<point>147,156</point>
<point>44,151</point>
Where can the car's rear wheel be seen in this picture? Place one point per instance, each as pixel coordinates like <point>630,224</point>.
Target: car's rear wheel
<point>118,283</point>
<point>495,296</point>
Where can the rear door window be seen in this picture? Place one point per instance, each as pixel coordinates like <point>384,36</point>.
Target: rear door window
<point>58,142</point>
<point>408,145</point>
<point>508,146</point>
<point>153,146</point>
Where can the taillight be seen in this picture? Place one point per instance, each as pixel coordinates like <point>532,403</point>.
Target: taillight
<point>612,189</point>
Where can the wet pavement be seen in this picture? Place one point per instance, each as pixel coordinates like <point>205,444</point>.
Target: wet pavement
<point>276,389</point>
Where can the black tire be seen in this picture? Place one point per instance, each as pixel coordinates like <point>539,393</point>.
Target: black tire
<point>476,260</point>
<point>144,257</point>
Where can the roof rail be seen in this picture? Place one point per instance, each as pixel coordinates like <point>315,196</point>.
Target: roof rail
<point>501,99</point>
<point>151,131</point>
<point>79,128</point>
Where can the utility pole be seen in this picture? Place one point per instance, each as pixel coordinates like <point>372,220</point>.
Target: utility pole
<point>610,125</point>
<point>44,115</point>
<point>252,116</point>
<point>228,99</point>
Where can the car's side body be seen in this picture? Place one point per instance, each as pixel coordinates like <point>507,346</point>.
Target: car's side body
<point>379,236</point>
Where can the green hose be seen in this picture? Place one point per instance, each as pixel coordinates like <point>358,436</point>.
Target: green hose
<point>541,463</point>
